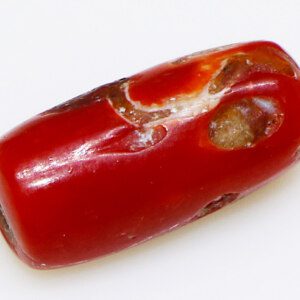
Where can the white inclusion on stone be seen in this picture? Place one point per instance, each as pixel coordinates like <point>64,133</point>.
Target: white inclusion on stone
<point>181,107</point>
<point>146,137</point>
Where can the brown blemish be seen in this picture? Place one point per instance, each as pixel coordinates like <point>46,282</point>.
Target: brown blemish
<point>242,124</point>
<point>272,60</point>
<point>97,94</point>
<point>4,226</point>
<point>115,93</point>
<point>236,67</point>
<point>216,205</point>
<point>231,130</point>
<point>117,97</point>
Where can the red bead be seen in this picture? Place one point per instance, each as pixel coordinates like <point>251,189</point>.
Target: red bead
<point>141,156</point>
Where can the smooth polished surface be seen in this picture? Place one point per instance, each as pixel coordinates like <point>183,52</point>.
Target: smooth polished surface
<point>120,165</point>
<point>247,251</point>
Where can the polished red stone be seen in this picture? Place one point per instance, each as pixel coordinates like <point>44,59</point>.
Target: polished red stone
<point>144,155</point>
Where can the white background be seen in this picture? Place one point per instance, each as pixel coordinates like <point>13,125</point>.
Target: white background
<point>53,50</point>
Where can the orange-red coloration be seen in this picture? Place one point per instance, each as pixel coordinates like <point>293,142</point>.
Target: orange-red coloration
<point>190,74</point>
<point>170,80</point>
<point>105,171</point>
